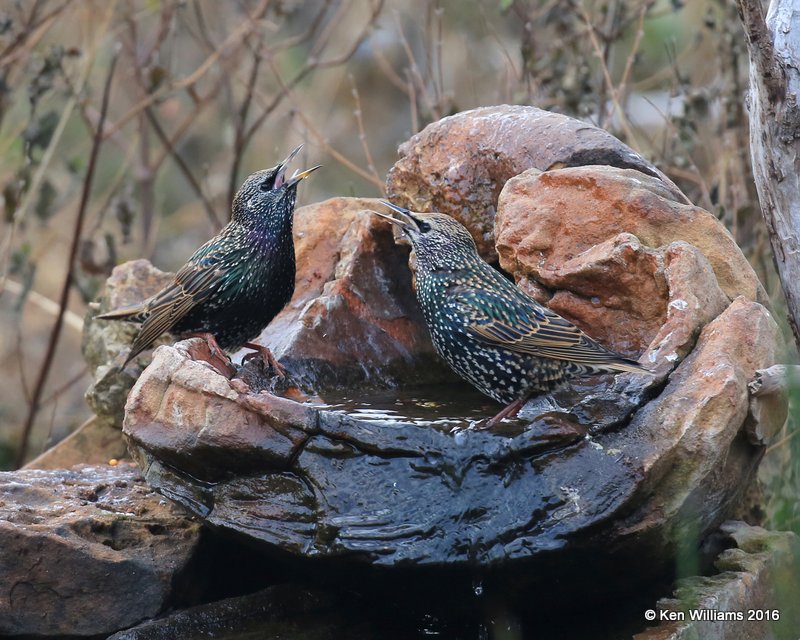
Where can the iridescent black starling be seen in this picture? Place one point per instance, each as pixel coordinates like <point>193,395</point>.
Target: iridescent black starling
<point>237,282</point>
<point>488,330</point>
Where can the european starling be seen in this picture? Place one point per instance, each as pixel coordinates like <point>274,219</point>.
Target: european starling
<point>488,330</point>
<point>237,282</point>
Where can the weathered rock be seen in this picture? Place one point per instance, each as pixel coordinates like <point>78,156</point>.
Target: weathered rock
<point>632,298</point>
<point>86,551</point>
<point>105,341</point>
<point>544,220</point>
<point>353,318</point>
<point>96,441</point>
<point>754,595</point>
<point>321,484</point>
<point>701,412</point>
<point>459,164</point>
<point>282,611</point>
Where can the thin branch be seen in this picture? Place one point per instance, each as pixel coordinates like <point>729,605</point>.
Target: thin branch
<point>30,36</point>
<point>241,121</point>
<point>598,50</point>
<point>311,64</point>
<point>54,395</point>
<point>337,155</point>
<point>199,106</point>
<point>184,168</point>
<point>231,43</point>
<point>71,319</point>
<point>308,123</point>
<point>43,166</point>
<point>362,134</point>
<point>415,75</point>
<point>65,290</point>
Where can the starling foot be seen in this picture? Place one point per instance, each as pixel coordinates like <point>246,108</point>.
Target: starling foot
<point>219,359</point>
<point>266,356</point>
<point>507,412</point>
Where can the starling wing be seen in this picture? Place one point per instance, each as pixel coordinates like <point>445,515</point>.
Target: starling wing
<point>512,320</point>
<point>194,283</point>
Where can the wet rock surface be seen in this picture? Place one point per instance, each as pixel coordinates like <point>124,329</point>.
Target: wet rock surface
<point>756,587</point>
<point>86,551</point>
<point>317,483</point>
<point>590,479</point>
<point>353,319</point>
<point>459,164</point>
<point>283,611</point>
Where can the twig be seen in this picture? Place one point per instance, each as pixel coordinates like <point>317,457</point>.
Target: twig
<point>623,119</point>
<point>241,121</point>
<point>65,290</point>
<point>71,319</point>
<point>233,41</point>
<point>312,64</point>
<point>636,44</point>
<point>199,106</point>
<point>30,36</point>
<point>43,166</point>
<point>362,135</point>
<point>60,390</point>
<point>321,139</point>
<point>415,74</point>
<point>184,168</point>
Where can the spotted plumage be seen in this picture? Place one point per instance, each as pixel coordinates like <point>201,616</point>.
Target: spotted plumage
<point>488,330</point>
<point>238,281</point>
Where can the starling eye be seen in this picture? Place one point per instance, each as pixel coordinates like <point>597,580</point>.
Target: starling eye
<point>266,185</point>
<point>424,227</point>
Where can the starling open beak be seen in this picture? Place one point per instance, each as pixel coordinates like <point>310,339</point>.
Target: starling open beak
<point>407,221</point>
<point>280,177</point>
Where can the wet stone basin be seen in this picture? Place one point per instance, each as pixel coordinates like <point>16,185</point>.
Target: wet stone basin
<point>607,482</point>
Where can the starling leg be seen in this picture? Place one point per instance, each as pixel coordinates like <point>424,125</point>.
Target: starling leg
<point>266,356</point>
<point>218,356</point>
<point>507,412</point>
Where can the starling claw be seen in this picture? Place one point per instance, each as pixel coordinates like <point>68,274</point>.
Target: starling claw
<point>218,358</point>
<point>507,412</point>
<point>266,355</point>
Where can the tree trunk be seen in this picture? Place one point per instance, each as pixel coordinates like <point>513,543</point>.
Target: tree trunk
<point>774,48</point>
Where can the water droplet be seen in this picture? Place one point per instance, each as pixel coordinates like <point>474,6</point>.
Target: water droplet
<point>477,587</point>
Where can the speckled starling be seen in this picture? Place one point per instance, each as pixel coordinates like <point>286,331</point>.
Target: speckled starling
<point>237,282</point>
<point>488,330</point>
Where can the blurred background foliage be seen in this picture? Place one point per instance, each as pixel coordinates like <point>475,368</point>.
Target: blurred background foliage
<point>205,92</point>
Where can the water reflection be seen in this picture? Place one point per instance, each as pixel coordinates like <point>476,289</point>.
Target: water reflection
<point>445,407</point>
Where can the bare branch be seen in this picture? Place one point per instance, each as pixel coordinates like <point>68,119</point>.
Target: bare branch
<point>362,134</point>
<point>67,286</point>
<point>184,168</point>
<point>231,43</point>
